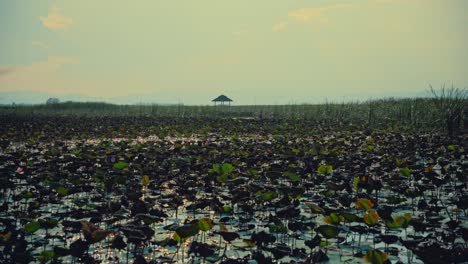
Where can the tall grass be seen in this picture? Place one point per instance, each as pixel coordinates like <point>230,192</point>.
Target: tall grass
<point>445,110</point>
<point>452,106</point>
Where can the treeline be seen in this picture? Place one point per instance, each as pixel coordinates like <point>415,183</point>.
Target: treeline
<point>446,109</point>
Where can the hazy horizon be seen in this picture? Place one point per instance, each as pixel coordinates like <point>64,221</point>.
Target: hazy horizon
<point>262,52</point>
<point>33,98</point>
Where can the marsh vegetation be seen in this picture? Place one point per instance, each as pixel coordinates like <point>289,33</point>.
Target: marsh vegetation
<point>382,181</point>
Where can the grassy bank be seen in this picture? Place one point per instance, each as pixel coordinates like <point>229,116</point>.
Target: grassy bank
<point>444,111</point>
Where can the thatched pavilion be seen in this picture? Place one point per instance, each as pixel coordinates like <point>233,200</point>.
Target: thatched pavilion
<point>52,101</point>
<point>222,99</point>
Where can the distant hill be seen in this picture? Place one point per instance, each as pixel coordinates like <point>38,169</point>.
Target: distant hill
<point>29,97</point>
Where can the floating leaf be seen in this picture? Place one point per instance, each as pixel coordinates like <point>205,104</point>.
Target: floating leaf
<point>148,219</point>
<point>48,222</point>
<point>277,229</point>
<point>405,172</point>
<point>292,176</point>
<point>364,203</point>
<point>401,221</point>
<point>117,242</point>
<point>187,231</point>
<point>227,168</point>
<point>227,209</point>
<point>223,228</point>
<point>375,256</point>
<point>205,224</point>
<point>222,179</point>
<point>267,195</point>
<point>400,162</point>
<point>288,212</point>
<point>78,248</point>
<point>32,227</point>
<point>325,243</point>
<point>428,168</point>
<point>371,218</point>
<point>177,238</point>
<point>252,172</point>
<point>92,233</point>
<point>315,208</point>
<point>229,236</point>
<point>145,180</point>
<point>333,219</point>
<point>61,251</point>
<point>356,183</point>
<point>27,195</point>
<point>325,169</point>
<point>350,217</point>
<point>62,191</point>
<point>5,237</point>
<point>368,148</point>
<point>314,242</point>
<point>46,256</point>
<point>216,169</point>
<point>202,249</point>
<point>328,231</point>
<point>389,239</point>
<point>120,165</point>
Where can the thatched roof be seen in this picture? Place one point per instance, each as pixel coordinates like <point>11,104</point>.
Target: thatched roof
<point>222,98</point>
<point>52,101</point>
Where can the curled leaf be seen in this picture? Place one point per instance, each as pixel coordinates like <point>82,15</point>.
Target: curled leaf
<point>401,221</point>
<point>5,237</point>
<point>92,233</point>
<point>205,224</point>
<point>375,256</point>
<point>356,183</point>
<point>333,219</point>
<point>249,242</point>
<point>325,169</point>
<point>371,218</point>
<point>364,203</point>
<point>145,180</point>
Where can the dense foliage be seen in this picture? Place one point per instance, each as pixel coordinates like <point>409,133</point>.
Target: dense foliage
<point>446,110</point>
<point>162,189</point>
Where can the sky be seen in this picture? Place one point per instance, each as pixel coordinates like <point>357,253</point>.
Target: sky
<point>255,52</point>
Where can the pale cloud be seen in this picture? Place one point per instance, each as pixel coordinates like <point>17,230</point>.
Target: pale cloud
<point>55,20</point>
<point>314,14</point>
<point>241,33</point>
<point>53,76</point>
<point>37,76</point>
<point>40,44</point>
<point>280,26</point>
